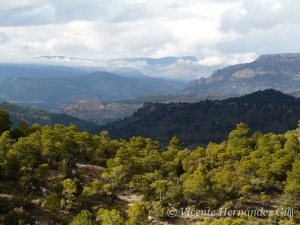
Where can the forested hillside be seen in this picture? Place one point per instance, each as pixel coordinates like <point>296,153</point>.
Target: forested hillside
<point>201,122</point>
<point>41,117</point>
<point>58,175</point>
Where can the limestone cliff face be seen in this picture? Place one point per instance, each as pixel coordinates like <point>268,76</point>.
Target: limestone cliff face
<point>101,113</point>
<point>84,107</point>
<point>279,58</point>
<point>278,71</point>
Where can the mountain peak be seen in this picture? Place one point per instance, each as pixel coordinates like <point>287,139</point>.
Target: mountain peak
<point>268,95</point>
<point>282,57</point>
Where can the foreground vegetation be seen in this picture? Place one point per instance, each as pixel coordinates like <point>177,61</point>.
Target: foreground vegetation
<point>58,175</point>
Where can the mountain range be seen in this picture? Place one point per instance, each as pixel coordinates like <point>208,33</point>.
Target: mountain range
<point>182,68</point>
<point>126,80</point>
<point>8,71</point>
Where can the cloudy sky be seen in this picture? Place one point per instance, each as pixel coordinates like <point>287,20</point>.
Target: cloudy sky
<point>216,31</point>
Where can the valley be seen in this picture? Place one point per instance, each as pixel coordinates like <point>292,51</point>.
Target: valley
<point>132,148</point>
<point>152,112</point>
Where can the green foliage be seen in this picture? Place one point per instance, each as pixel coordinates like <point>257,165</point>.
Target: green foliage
<point>161,189</point>
<point>197,185</point>
<point>287,222</point>
<point>158,210</point>
<point>84,217</point>
<point>69,192</point>
<point>78,171</point>
<point>110,217</point>
<point>52,203</point>
<point>87,197</point>
<point>229,221</point>
<point>28,181</point>
<point>138,214</point>
<point>17,217</point>
<point>292,189</point>
<point>43,171</point>
<point>4,121</point>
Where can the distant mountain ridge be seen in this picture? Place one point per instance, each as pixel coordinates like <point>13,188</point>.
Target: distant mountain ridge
<point>277,71</point>
<point>197,123</point>
<point>37,71</point>
<point>52,88</point>
<point>268,95</point>
<point>53,94</point>
<point>181,68</point>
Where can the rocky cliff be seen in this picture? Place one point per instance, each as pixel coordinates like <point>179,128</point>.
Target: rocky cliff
<point>101,113</point>
<point>278,71</point>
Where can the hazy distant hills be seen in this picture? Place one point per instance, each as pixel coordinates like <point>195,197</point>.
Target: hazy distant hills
<point>37,71</point>
<point>131,80</point>
<point>180,68</point>
<point>198,123</point>
<point>53,93</point>
<point>278,71</point>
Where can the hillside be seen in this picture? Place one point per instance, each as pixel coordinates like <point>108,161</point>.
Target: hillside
<point>277,71</point>
<point>201,122</point>
<point>103,113</point>
<point>31,116</point>
<point>175,97</point>
<point>268,95</point>
<point>57,175</point>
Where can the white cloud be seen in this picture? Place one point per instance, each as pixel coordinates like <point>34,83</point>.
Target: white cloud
<point>122,63</point>
<point>3,38</point>
<point>13,4</point>
<point>227,59</point>
<point>260,14</point>
<point>218,32</point>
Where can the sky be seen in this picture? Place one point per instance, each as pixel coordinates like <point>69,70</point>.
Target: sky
<point>217,32</point>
